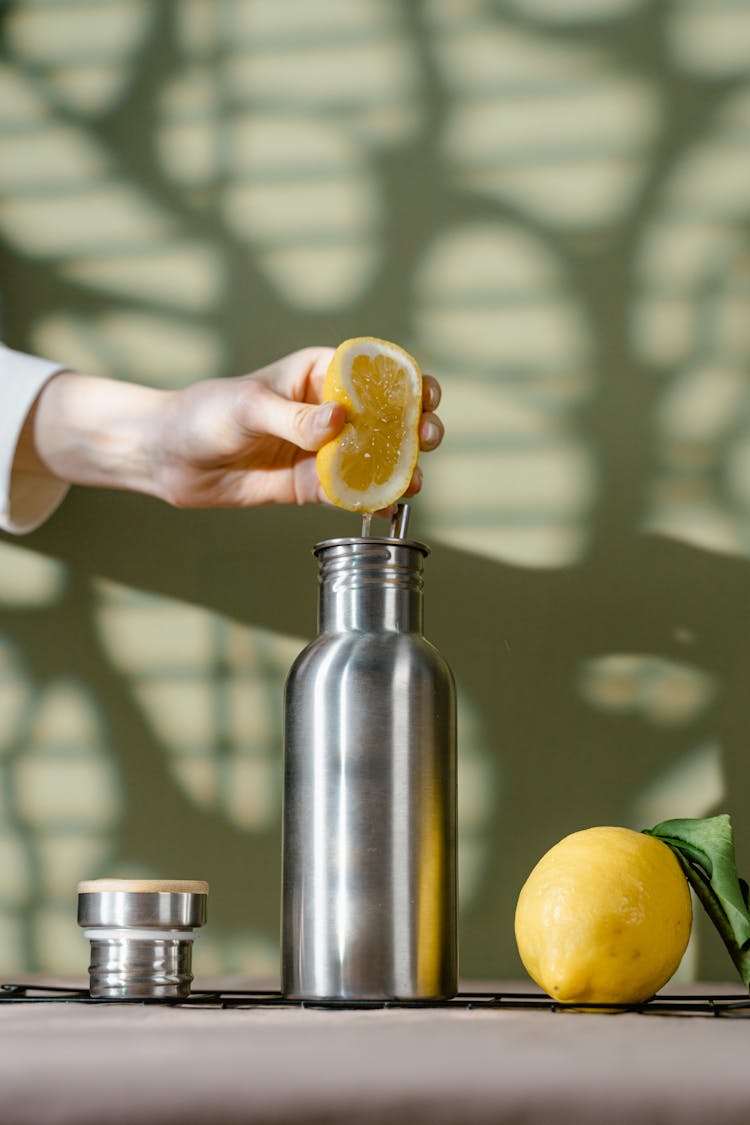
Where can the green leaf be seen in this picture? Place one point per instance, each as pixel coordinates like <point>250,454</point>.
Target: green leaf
<point>705,849</point>
<point>710,844</point>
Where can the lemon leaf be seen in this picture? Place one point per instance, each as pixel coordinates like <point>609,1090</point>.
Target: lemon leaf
<point>709,842</point>
<point>705,849</point>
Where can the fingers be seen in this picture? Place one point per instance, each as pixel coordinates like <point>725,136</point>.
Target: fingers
<point>282,403</point>
<point>299,375</point>
<point>308,367</point>
<point>415,483</point>
<point>431,392</point>
<point>318,424</point>
<point>302,424</point>
<point>431,429</point>
<point>430,432</point>
<point>318,366</point>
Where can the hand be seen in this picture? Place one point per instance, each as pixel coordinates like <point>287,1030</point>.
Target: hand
<point>252,440</point>
<point>239,442</point>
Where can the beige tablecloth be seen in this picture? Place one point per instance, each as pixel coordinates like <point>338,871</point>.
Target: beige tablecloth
<point>116,1063</point>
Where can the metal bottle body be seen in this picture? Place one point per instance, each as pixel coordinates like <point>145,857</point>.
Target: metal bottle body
<point>369,894</point>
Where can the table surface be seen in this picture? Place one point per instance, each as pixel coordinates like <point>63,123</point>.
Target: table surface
<point>521,1061</point>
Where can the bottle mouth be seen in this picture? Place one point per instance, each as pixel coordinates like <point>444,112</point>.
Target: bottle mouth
<point>396,537</point>
<point>356,564</point>
<point>361,543</point>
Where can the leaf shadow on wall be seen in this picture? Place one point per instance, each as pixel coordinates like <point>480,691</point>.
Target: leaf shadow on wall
<point>513,637</point>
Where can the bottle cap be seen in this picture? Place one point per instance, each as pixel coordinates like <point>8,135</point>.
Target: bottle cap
<point>141,935</point>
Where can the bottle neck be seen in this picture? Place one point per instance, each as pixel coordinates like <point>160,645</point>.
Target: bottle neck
<point>370,585</point>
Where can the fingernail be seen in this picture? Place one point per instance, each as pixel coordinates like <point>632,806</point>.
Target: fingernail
<point>430,434</point>
<point>324,416</point>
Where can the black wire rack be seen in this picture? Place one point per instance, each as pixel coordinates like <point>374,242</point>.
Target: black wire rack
<point>725,1005</point>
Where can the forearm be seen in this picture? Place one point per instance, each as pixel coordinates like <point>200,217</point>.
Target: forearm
<point>91,431</point>
<point>229,443</point>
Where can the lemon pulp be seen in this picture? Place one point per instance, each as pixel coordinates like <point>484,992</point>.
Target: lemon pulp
<point>370,463</point>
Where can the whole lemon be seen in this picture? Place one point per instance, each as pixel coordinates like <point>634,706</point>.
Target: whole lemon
<point>604,917</point>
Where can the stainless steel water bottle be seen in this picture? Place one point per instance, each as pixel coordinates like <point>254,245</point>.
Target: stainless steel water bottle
<point>369,864</point>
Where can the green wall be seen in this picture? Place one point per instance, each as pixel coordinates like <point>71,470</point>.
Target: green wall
<point>548,204</point>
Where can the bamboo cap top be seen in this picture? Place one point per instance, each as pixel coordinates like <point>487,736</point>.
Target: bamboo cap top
<point>144,886</point>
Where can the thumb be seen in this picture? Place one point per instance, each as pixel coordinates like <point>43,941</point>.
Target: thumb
<point>303,424</point>
<point>318,424</point>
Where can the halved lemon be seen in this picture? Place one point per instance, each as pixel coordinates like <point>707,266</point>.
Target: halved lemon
<point>369,464</point>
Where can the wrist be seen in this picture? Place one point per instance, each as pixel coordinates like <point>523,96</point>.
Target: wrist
<point>93,431</point>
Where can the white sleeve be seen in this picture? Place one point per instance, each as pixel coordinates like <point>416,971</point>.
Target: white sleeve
<point>26,499</point>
